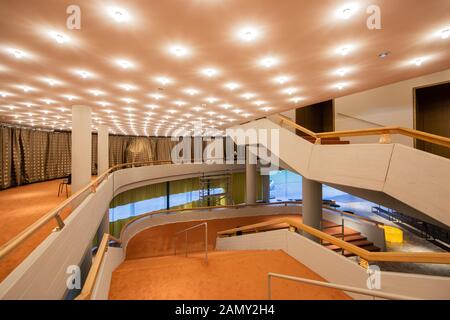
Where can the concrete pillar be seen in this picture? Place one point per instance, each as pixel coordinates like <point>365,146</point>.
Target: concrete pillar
<point>250,178</point>
<point>312,205</point>
<point>103,149</point>
<point>265,188</point>
<point>81,147</point>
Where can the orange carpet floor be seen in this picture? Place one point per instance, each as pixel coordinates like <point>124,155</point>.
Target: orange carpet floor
<point>159,241</point>
<point>229,275</point>
<point>19,208</point>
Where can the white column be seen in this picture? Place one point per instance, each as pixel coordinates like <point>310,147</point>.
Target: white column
<point>312,204</point>
<point>250,178</point>
<point>81,147</point>
<point>103,149</point>
<point>265,188</point>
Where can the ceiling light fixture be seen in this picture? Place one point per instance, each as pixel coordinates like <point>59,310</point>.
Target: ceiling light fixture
<point>60,38</point>
<point>342,72</point>
<point>419,61</point>
<point>232,86</point>
<point>347,11</point>
<point>248,33</point>
<point>19,54</point>
<point>445,33</point>
<point>248,96</point>
<point>84,74</point>
<point>268,62</point>
<point>191,92</point>
<point>178,51</point>
<point>119,15</point>
<point>124,64</point>
<point>340,86</point>
<point>209,72</point>
<point>282,79</point>
<point>344,50</point>
<point>163,80</point>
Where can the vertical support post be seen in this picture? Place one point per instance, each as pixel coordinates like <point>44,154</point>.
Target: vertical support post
<point>312,205</point>
<point>250,177</point>
<point>103,149</point>
<point>81,147</point>
<point>265,188</point>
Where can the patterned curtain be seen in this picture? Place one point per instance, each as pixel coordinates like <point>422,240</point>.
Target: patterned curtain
<point>94,154</point>
<point>59,158</point>
<point>139,150</point>
<point>5,157</point>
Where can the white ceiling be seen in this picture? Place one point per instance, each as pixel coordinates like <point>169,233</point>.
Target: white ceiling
<point>301,38</point>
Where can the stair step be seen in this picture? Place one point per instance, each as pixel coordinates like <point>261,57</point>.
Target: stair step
<point>350,239</point>
<point>360,243</point>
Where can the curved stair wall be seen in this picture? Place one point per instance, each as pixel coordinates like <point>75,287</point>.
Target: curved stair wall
<point>42,275</point>
<point>335,268</point>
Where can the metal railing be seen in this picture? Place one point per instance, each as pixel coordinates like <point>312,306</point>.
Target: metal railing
<point>366,292</point>
<point>185,231</point>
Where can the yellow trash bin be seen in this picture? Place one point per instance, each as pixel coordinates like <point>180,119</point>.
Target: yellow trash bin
<point>393,235</point>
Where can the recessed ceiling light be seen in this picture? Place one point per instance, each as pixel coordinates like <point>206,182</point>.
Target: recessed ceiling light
<point>119,15</point>
<point>163,80</point>
<point>346,11</point>
<point>212,99</point>
<point>296,99</point>
<point>191,92</point>
<point>290,91</point>
<point>19,54</point>
<point>266,109</point>
<point>344,50</point>
<point>259,103</point>
<point>59,37</point>
<point>282,79</point>
<point>419,61</point>
<point>232,86</point>
<point>248,33</point>
<point>226,106</point>
<point>84,74</point>
<point>51,82</point>
<point>25,88</point>
<point>209,72</point>
<point>127,87</point>
<point>268,62</point>
<point>340,86</point>
<point>124,64</point>
<point>445,33</point>
<point>156,96</point>
<point>96,92</point>
<point>342,72</point>
<point>178,51</point>
<point>248,95</point>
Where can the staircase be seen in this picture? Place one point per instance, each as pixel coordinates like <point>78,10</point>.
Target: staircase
<point>351,236</point>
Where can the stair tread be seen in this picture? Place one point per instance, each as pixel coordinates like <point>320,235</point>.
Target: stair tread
<point>350,239</point>
<point>360,243</point>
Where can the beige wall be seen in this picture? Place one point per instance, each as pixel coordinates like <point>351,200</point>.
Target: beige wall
<point>391,105</point>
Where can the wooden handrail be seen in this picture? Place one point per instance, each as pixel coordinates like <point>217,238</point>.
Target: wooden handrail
<point>91,278</point>
<point>413,257</point>
<point>231,206</point>
<point>416,134</point>
<point>237,206</point>
<point>56,212</point>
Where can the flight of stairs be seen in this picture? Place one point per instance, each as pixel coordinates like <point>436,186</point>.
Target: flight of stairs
<point>351,236</point>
